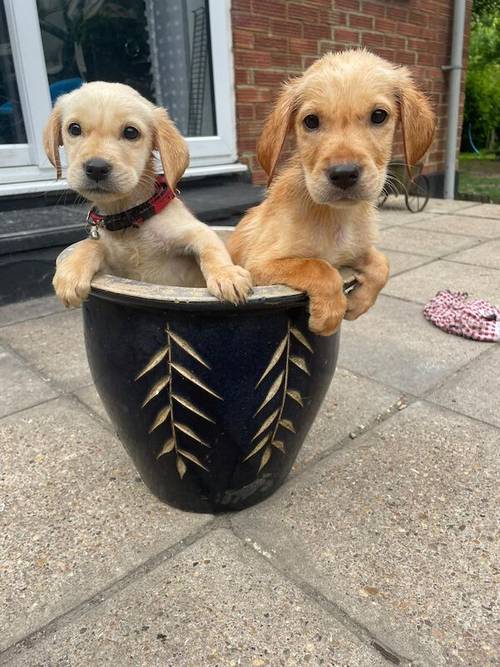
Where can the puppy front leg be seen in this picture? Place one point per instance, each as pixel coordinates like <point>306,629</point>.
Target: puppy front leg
<point>224,279</point>
<point>322,282</point>
<point>74,273</point>
<point>372,273</point>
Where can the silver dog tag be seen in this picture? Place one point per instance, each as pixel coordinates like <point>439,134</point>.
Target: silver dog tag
<point>93,232</point>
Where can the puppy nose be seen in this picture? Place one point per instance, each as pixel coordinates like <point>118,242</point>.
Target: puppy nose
<point>97,169</point>
<point>344,175</point>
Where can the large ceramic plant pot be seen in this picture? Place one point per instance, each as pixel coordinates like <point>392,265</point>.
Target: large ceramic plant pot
<point>211,401</point>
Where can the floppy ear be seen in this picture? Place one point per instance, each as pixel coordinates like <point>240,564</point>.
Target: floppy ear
<point>173,149</point>
<point>418,121</point>
<point>52,138</point>
<point>276,128</point>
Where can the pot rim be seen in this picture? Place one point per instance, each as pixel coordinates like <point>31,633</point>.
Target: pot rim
<point>115,288</point>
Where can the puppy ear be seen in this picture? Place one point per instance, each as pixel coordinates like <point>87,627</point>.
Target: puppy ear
<point>52,138</point>
<point>276,128</point>
<point>173,149</point>
<point>418,121</point>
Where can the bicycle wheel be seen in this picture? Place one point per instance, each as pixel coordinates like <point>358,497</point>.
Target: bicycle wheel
<point>381,200</point>
<point>417,193</point>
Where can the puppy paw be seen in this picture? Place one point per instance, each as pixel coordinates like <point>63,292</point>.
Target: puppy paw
<point>326,314</point>
<point>230,283</point>
<point>70,288</point>
<point>358,302</point>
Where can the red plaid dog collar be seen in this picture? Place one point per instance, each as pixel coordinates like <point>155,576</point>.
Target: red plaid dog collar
<point>132,217</point>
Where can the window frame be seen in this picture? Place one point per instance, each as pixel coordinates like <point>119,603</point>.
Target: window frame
<point>23,167</point>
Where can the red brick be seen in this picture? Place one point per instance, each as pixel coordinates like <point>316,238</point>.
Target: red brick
<point>395,42</point>
<point>254,95</point>
<point>317,31</point>
<point>244,39</point>
<point>346,36</point>
<point>289,61</point>
<point>252,58</point>
<point>327,45</point>
<point>274,8</point>
<point>303,46</point>
<point>303,13</point>
<point>405,57</point>
<point>372,40</point>
<point>264,43</point>
<point>351,5</point>
<point>363,22</point>
<point>246,111</point>
<point>289,28</point>
<point>242,76</point>
<point>385,25</point>
<point>373,9</point>
<point>271,78</point>
<point>248,22</point>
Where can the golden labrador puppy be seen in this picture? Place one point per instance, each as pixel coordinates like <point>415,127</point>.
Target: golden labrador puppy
<point>141,229</point>
<point>320,210</point>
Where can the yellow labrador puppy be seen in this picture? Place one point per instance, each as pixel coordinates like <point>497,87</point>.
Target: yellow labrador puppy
<point>139,228</point>
<point>320,212</point>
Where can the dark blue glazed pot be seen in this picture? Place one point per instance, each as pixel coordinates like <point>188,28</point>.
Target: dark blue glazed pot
<point>211,401</point>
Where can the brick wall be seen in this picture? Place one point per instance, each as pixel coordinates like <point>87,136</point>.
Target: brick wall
<point>275,39</point>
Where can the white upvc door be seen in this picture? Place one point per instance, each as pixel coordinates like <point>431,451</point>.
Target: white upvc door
<point>24,166</point>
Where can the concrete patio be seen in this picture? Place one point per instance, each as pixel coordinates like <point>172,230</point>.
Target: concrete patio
<point>380,548</point>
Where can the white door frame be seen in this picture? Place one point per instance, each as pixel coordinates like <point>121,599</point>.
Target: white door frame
<point>26,164</point>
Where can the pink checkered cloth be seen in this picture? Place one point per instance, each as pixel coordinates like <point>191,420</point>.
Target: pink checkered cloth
<point>475,319</point>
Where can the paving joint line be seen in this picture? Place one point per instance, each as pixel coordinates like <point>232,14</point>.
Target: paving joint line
<point>349,440</point>
<point>332,608</point>
<point>29,319</point>
<point>49,381</point>
<point>412,268</point>
<point>477,266</point>
<point>82,405</point>
<point>109,591</point>
<point>446,408</point>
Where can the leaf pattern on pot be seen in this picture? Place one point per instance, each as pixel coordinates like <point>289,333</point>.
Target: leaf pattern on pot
<point>182,435</point>
<point>269,427</point>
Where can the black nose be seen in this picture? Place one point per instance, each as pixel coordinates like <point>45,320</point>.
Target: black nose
<point>97,169</point>
<point>344,175</point>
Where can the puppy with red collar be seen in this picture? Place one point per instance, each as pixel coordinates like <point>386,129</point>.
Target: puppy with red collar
<point>139,228</point>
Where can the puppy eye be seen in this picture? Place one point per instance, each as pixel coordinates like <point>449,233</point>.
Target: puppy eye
<point>311,122</point>
<point>130,132</point>
<point>379,116</point>
<point>74,129</point>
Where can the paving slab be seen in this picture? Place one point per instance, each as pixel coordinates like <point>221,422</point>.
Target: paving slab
<point>21,387</point>
<point>474,390</point>
<point>448,205</point>
<point>402,261</point>
<point>90,397</point>
<point>486,254</point>
<point>478,228</point>
<point>400,218</point>
<point>27,310</point>
<point>431,244</point>
<point>422,283</point>
<point>394,344</point>
<point>484,211</point>
<point>54,345</point>
<point>75,515</point>
<point>399,531</point>
<point>351,404</point>
<point>216,603</point>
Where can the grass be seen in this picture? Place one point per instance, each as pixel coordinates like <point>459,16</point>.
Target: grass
<point>480,175</point>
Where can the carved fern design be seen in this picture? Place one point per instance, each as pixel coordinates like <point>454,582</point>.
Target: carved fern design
<point>166,413</point>
<point>267,433</point>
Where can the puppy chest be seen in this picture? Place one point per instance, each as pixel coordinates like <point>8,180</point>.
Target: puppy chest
<point>345,245</point>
